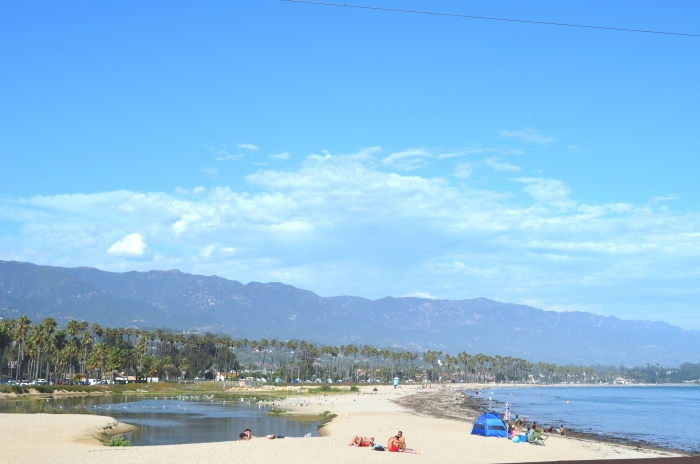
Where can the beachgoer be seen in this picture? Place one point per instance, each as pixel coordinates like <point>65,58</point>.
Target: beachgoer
<point>511,431</point>
<point>562,432</point>
<point>270,437</point>
<point>397,442</point>
<point>243,437</point>
<point>360,441</point>
<point>249,434</point>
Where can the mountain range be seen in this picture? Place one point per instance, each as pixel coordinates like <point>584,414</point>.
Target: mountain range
<point>177,300</point>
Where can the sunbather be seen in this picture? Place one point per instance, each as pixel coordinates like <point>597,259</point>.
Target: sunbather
<point>397,442</point>
<point>360,441</point>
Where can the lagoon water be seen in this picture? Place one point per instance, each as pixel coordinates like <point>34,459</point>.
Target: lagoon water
<point>666,416</point>
<point>194,420</point>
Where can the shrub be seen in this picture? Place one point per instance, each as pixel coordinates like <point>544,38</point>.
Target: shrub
<point>375,389</point>
<point>354,389</point>
<point>118,441</point>
<point>325,388</point>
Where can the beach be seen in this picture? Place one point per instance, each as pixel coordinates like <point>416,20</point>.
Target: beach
<point>436,423</point>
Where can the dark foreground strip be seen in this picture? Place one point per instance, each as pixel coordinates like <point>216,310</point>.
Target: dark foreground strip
<point>682,460</point>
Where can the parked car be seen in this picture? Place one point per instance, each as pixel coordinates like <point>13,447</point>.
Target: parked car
<point>41,381</point>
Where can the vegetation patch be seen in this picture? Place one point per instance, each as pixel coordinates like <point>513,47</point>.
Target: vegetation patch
<point>118,441</point>
<point>326,417</point>
<point>40,406</point>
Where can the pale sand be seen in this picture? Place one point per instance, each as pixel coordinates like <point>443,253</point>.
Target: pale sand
<point>63,438</point>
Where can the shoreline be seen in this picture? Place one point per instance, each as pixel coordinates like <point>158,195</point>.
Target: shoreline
<point>574,434</point>
<point>429,420</point>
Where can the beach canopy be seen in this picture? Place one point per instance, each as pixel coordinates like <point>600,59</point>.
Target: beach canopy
<point>490,425</point>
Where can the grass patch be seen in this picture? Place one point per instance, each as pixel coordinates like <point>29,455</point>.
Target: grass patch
<point>277,411</point>
<point>326,417</point>
<point>354,389</point>
<point>40,406</point>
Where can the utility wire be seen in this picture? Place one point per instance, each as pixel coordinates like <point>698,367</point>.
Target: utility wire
<point>489,18</point>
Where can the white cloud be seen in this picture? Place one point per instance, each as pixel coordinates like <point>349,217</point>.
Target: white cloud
<point>342,224</point>
<point>211,172</point>
<point>130,246</point>
<point>195,191</point>
<point>528,136</point>
<point>463,171</point>
<point>547,191</point>
<point>280,156</point>
<point>407,160</point>
<point>247,146</point>
<point>501,165</point>
<point>420,295</point>
<point>223,155</point>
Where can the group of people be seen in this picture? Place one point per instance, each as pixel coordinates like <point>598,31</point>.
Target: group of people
<point>247,436</point>
<point>519,426</point>
<point>396,443</point>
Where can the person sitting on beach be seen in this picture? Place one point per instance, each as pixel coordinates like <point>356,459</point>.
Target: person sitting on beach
<point>360,441</point>
<point>397,442</point>
<point>511,431</point>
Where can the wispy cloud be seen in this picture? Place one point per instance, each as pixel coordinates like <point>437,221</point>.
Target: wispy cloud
<point>463,170</point>
<point>498,165</point>
<point>551,191</point>
<point>335,223</point>
<point>528,136</point>
<point>407,160</point>
<point>211,172</point>
<point>247,146</point>
<point>225,156</point>
<point>279,156</point>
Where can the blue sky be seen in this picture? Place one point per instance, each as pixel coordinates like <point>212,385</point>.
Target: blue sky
<point>359,152</point>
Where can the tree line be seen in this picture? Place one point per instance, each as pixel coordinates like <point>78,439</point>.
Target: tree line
<point>44,350</point>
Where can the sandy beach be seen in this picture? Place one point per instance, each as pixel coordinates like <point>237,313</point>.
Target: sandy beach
<point>434,423</point>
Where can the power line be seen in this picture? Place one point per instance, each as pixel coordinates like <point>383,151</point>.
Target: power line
<point>490,18</point>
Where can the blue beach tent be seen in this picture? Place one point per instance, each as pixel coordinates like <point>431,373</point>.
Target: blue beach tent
<point>490,425</point>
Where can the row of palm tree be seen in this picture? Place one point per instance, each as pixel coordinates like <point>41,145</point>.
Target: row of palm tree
<point>46,351</point>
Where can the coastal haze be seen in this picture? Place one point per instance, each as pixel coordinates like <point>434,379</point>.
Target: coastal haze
<point>182,301</point>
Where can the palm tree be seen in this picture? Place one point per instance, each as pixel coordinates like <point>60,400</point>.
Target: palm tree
<point>261,348</point>
<point>21,329</point>
<point>85,340</point>
<point>5,340</point>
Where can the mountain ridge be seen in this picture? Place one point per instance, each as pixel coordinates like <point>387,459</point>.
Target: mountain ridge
<point>186,301</point>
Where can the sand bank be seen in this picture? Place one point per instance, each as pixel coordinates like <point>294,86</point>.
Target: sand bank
<point>68,438</point>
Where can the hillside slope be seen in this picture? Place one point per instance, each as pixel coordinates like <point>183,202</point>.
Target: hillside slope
<point>255,310</point>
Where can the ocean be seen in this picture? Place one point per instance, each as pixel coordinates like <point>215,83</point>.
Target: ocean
<point>666,416</point>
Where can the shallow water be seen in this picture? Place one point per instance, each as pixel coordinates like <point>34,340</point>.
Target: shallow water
<point>189,420</point>
<point>662,416</point>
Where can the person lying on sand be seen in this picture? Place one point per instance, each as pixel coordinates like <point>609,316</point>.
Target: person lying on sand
<point>397,442</point>
<point>360,441</point>
<point>243,437</point>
